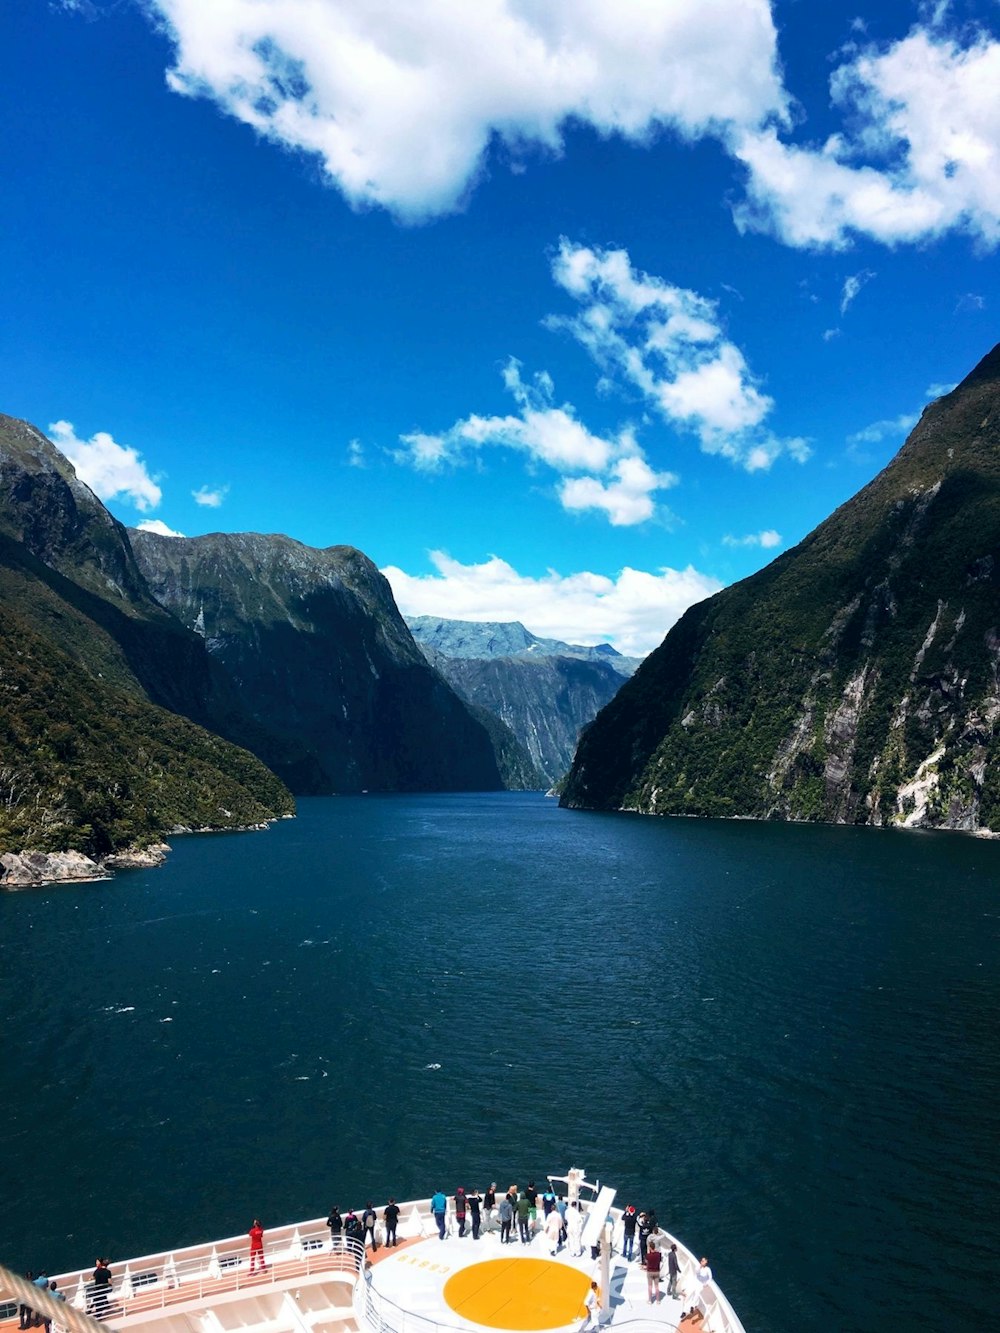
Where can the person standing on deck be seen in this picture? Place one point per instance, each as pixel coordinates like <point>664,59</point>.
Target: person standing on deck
<point>673,1272</point>
<point>592,1303</point>
<point>391,1219</point>
<point>439,1207</point>
<point>523,1216</point>
<point>460,1210</point>
<point>553,1230</point>
<point>256,1234</point>
<point>474,1200</point>
<point>574,1229</point>
<point>56,1295</point>
<point>704,1275</point>
<point>506,1219</point>
<point>368,1220</point>
<point>40,1281</point>
<point>561,1210</point>
<point>101,1288</point>
<point>336,1224</point>
<point>653,1258</point>
<point>629,1222</point>
<point>532,1194</point>
<point>489,1203</point>
<point>645,1227</point>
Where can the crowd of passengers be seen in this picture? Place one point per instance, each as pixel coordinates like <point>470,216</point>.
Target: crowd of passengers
<point>561,1222</point>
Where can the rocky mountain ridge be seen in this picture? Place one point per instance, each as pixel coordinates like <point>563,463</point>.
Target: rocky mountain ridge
<point>855,679</point>
<point>544,690</point>
<point>320,656</point>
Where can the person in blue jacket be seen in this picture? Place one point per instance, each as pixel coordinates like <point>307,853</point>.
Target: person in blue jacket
<point>439,1206</point>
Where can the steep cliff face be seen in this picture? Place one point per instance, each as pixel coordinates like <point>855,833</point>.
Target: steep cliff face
<point>92,671</point>
<point>855,679</point>
<point>320,655</point>
<point>544,690</point>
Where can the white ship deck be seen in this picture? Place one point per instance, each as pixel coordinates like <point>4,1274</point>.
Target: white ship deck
<point>425,1284</point>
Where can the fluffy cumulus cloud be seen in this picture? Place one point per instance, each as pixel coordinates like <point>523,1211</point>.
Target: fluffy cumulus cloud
<point>158,526</point>
<point>921,156</point>
<point>632,611</point>
<point>667,343</point>
<point>111,470</point>
<point>618,480</point>
<point>400,102</point>
<point>767,539</point>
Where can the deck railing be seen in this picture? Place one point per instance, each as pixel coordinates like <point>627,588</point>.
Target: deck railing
<point>198,1272</point>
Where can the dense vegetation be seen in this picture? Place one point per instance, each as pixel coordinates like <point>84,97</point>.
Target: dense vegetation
<point>856,677</point>
<point>87,765</point>
<point>319,655</point>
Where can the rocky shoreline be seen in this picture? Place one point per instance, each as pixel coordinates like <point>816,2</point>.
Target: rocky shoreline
<point>30,869</point>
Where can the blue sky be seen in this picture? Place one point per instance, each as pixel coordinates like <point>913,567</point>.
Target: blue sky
<point>562,312</point>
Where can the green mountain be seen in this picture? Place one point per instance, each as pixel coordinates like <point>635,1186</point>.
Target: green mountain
<point>319,655</point>
<point>92,673</point>
<point>855,679</point>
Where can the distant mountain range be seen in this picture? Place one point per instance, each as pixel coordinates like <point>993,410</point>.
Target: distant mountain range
<point>856,679</point>
<point>544,690</point>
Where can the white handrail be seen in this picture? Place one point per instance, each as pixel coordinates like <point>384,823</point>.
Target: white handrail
<point>152,1281</point>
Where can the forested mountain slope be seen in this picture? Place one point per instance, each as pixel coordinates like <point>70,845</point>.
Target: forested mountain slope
<point>854,679</point>
<point>92,673</point>
<point>319,654</point>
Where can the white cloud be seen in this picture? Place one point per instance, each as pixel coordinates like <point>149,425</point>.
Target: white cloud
<point>632,611</point>
<point>400,102</point>
<point>970,301</point>
<point>830,334</point>
<point>668,343</point>
<point>108,468</point>
<point>356,454</point>
<point>892,428</point>
<point>767,539</point>
<point>158,526</point>
<point>921,158</point>
<point>624,483</point>
<point>853,285</point>
<point>210,497</point>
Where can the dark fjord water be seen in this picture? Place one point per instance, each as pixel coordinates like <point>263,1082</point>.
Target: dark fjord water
<point>783,1038</point>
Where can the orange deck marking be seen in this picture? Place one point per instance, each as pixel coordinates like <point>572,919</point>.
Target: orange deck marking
<point>518,1293</point>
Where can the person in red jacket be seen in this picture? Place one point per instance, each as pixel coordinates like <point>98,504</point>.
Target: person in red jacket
<point>257,1245</point>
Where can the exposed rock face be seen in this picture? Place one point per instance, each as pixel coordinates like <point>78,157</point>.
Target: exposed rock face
<point>320,655</point>
<point>544,690</point>
<point>30,868</point>
<point>856,678</point>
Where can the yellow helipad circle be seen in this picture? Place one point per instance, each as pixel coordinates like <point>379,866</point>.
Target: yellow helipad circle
<point>518,1293</point>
